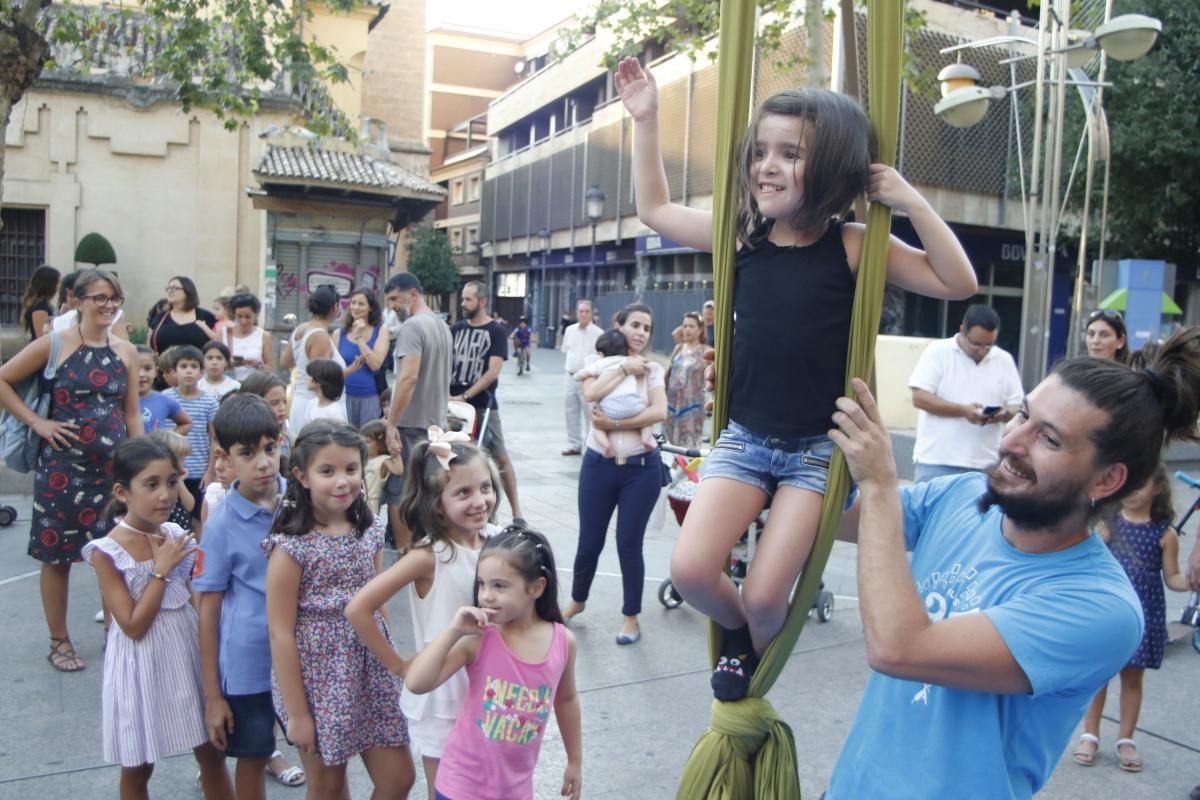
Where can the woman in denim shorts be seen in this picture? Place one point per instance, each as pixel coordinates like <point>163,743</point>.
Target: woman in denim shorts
<point>628,483</point>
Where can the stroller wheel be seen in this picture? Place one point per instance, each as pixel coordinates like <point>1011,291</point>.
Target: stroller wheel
<point>824,606</point>
<point>1196,640</point>
<point>668,596</point>
<point>8,515</point>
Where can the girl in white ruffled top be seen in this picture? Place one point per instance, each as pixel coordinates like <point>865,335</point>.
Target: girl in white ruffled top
<point>448,499</point>
<point>153,701</point>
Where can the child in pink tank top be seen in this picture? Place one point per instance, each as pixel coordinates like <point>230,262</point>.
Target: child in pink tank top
<point>520,662</point>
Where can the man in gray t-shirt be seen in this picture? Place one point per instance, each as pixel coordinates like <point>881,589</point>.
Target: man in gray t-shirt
<point>421,393</point>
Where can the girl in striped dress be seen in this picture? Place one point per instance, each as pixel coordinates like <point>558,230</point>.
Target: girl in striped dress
<point>153,701</point>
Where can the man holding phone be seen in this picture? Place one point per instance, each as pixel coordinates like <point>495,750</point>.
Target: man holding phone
<point>964,388</point>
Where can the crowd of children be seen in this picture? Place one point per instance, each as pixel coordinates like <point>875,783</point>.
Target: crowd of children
<point>282,551</point>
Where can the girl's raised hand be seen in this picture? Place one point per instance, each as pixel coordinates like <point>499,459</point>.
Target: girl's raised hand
<point>168,552</point>
<point>470,621</point>
<point>637,89</point>
<point>888,187</point>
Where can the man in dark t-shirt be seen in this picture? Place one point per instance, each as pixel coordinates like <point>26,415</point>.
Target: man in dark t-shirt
<point>480,350</point>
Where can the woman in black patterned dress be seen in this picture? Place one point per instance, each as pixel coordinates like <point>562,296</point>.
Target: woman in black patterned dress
<point>94,407</point>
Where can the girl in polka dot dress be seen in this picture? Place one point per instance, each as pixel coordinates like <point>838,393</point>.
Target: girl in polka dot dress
<point>335,699</point>
<point>1142,539</point>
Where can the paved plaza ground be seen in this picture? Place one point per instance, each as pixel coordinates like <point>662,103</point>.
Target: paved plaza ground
<point>643,706</point>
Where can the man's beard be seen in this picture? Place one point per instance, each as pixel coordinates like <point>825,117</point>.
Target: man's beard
<point>468,315</point>
<point>1039,510</point>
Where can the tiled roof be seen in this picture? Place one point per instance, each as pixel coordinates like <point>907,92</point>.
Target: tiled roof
<point>347,170</point>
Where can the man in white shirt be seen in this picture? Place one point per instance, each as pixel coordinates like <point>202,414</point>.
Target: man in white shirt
<point>578,342</point>
<point>965,389</point>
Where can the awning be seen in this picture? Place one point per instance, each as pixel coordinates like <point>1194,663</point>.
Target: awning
<point>1119,299</point>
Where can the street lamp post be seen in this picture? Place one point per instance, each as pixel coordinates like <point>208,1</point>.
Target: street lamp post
<point>1059,52</point>
<point>542,295</point>
<point>593,203</point>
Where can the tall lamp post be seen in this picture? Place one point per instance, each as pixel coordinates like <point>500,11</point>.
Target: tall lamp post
<point>593,204</point>
<point>541,302</point>
<point>1060,52</point>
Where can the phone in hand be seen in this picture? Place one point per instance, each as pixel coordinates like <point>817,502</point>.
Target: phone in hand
<point>239,360</point>
<point>990,411</point>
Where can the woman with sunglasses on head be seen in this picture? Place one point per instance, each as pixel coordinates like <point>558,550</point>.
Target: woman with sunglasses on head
<point>185,322</point>
<point>1105,334</point>
<point>94,407</point>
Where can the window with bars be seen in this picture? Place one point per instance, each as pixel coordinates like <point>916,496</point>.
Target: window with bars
<point>22,250</point>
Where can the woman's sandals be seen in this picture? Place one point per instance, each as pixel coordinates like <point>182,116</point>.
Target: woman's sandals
<point>1127,761</point>
<point>63,657</point>
<point>1084,755</point>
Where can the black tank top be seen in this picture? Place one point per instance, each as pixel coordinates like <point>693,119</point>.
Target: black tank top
<point>792,308</point>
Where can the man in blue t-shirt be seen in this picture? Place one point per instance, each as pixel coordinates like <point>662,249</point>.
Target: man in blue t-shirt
<point>989,645</point>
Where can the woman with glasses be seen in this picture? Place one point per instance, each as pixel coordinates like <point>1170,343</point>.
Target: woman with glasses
<point>93,408</point>
<point>185,322</point>
<point>1106,336</point>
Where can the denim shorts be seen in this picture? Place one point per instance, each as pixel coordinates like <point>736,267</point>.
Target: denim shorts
<point>253,734</point>
<point>769,462</point>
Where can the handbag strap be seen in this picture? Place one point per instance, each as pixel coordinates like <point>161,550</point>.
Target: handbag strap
<point>157,328</point>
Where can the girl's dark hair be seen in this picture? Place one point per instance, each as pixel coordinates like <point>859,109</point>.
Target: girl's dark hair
<point>218,346</point>
<point>420,507</point>
<point>699,320</point>
<point>260,382</point>
<point>622,316</point>
<point>296,516</point>
<point>133,456</point>
<point>374,312</point>
<point>612,343</point>
<point>375,431</point>
<point>67,285</point>
<point>837,164</point>
<point>244,300</point>
<point>1146,408</point>
<point>1143,358</point>
<point>191,297</point>
<point>529,553</point>
<point>329,377</point>
<point>1113,319</point>
<point>322,300</point>
<point>42,284</point>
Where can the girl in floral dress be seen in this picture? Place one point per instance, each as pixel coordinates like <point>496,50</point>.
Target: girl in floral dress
<point>94,407</point>
<point>335,698</point>
<point>685,386</point>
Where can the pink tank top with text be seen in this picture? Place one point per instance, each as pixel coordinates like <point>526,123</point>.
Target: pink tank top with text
<point>494,744</point>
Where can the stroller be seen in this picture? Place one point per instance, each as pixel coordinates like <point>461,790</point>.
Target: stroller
<point>1191,613</point>
<point>461,416</point>
<point>685,476</point>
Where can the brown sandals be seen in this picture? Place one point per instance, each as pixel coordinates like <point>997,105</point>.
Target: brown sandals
<point>64,659</point>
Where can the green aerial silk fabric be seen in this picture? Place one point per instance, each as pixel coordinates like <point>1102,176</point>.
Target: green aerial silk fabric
<point>748,751</point>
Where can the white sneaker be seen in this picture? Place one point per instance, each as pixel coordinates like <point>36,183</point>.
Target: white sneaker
<point>99,616</point>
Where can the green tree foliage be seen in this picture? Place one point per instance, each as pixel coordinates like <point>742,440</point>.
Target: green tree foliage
<point>431,260</point>
<point>96,250</point>
<point>690,27</point>
<point>1153,113</point>
<point>223,55</point>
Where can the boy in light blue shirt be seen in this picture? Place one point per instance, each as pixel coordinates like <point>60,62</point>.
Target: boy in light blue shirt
<point>231,577</point>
